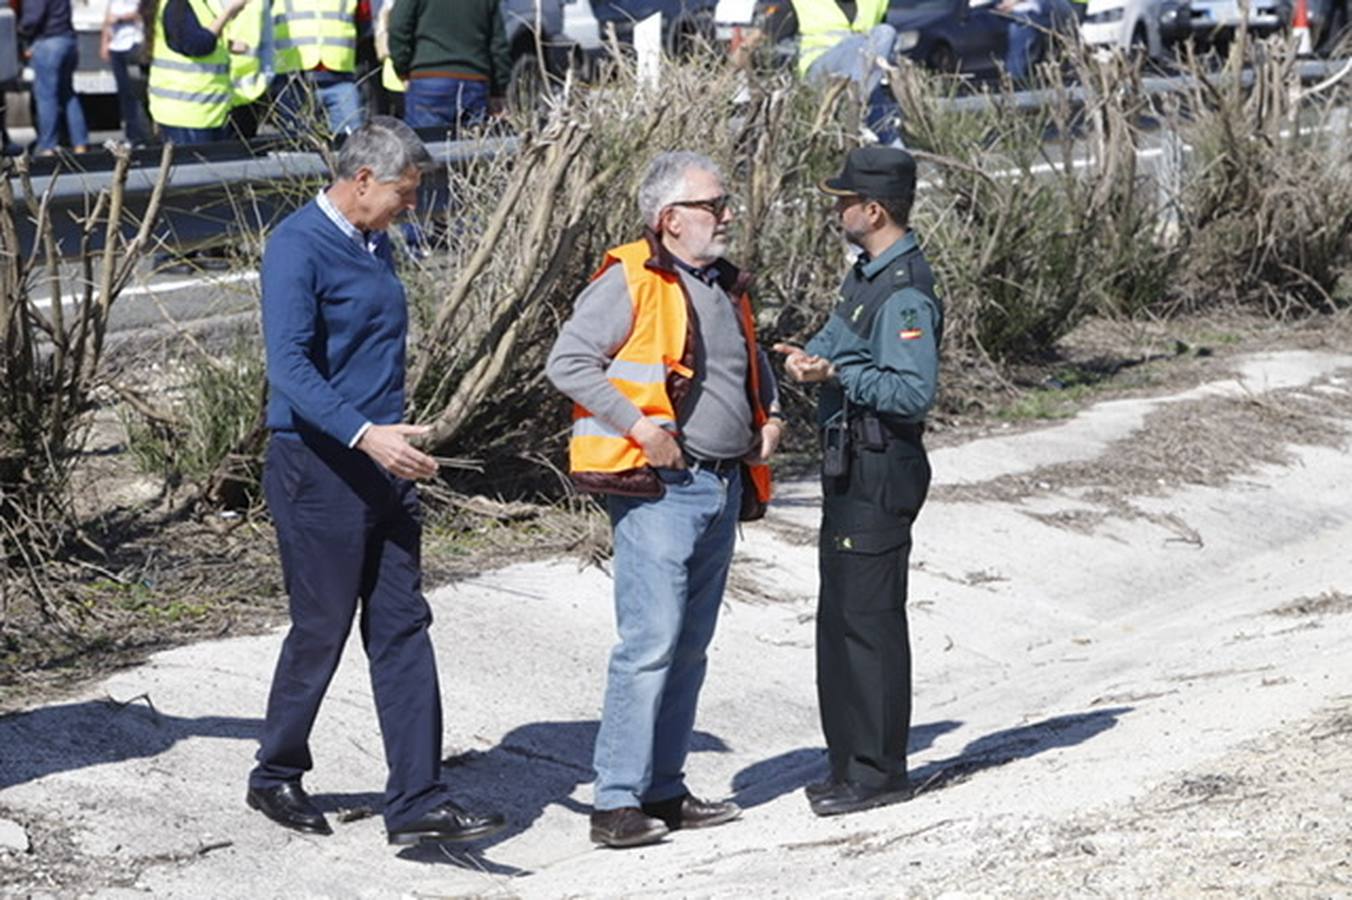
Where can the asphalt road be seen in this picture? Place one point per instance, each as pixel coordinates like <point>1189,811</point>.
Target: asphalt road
<point>155,301</point>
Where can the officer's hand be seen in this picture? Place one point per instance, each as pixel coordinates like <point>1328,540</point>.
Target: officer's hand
<point>388,445</point>
<point>658,444</point>
<point>812,368</point>
<point>770,434</point>
<point>802,366</point>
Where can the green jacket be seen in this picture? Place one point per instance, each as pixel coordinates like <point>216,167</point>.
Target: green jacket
<point>462,38</point>
<point>883,339</point>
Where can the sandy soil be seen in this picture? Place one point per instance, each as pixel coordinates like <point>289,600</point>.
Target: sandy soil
<point>1132,639</point>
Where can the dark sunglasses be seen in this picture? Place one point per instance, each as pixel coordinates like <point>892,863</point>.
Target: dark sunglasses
<point>715,206</point>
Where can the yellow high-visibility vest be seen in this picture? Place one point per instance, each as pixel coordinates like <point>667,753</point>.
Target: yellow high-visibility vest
<point>822,23</point>
<point>247,82</point>
<point>389,80</point>
<point>311,33</point>
<point>189,91</point>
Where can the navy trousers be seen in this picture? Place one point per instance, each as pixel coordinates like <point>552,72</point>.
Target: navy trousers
<point>350,537</point>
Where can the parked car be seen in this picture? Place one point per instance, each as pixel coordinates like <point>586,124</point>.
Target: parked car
<point>575,34</point>
<point>1151,27</point>
<point>1214,22</point>
<point>1330,23</point>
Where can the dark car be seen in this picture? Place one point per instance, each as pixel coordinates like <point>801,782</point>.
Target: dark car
<point>1330,23</point>
<point>963,36</point>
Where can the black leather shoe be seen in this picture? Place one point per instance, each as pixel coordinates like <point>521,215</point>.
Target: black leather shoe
<point>288,805</point>
<point>690,811</point>
<point>818,788</point>
<point>448,822</point>
<point>625,827</point>
<point>851,796</point>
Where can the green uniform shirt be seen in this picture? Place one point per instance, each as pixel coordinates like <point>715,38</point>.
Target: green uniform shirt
<point>883,339</point>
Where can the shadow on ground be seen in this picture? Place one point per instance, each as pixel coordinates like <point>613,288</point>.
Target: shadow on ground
<point>1010,744</point>
<point>532,768</point>
<point>73,736</point>
<point>783,774</point>
<point>771,778</point>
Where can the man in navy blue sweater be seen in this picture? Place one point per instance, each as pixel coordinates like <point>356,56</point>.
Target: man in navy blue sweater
<point>339,481</point>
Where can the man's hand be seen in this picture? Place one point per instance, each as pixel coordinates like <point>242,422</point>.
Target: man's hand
<point>658,444</point>
<point>388,445</point>
<point>497,106</point>
<point>770,434</point>
<point>804,367</point>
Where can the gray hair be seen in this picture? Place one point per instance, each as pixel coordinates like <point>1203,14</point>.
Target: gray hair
<point>386,146</point>
<point>665,180</point>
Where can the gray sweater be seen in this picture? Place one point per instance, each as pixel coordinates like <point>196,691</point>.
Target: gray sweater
<point>716,420</point>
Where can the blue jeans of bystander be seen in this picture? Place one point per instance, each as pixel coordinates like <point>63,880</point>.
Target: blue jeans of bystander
<point>54,61</point>
<point>185,136</point>
<point>299,94</point>
<point>449,102</point>
<point>671,564</point>
<point>134,123</point>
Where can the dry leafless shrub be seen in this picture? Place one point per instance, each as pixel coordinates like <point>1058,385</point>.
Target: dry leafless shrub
<point>1265,209</point>
<point>50,359</point>
<point>1034,218</point>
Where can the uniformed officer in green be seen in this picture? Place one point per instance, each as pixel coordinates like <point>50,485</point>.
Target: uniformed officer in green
<point>877,360</point>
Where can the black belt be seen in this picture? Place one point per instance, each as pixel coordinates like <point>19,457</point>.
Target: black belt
<point>867,427</point>
<point>717,466</point>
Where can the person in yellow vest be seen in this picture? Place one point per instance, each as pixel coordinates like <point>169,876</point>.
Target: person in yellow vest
<point>314,58</point>
<point>675,418</point>
<point>189,84</point>
<point>390,82</point>
<point>832,45</point>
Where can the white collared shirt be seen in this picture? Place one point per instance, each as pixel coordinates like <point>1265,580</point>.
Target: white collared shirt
<point>366,239</point>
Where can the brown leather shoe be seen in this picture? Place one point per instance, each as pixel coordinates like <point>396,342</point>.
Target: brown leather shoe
<point>625,827</point>
<point>690,811</point>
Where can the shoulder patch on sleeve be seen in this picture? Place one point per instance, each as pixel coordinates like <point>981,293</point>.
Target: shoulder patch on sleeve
<point>910,326</point>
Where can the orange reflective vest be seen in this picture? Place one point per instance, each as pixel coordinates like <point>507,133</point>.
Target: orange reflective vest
<point>654,369</point>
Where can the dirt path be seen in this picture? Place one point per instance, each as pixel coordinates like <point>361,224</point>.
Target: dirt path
<point>1133,643</point>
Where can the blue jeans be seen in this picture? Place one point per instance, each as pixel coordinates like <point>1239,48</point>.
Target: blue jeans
<point>448,102</point>
<point>54,61</point>
<point>134,123</point>
<point>299,94</point>
<point>1025,34</point>
<point>855,57</point>
<point>671,563</point>
<point>184,136</point>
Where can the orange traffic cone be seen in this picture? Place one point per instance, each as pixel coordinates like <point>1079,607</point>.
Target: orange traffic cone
<point>1300,28</point>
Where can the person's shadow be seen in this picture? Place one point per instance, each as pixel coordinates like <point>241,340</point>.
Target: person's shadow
<point>783,774</point>
<point>74,736</point>
<point>1010,744</point>
<point>770,778</point>
<point>532,767</point>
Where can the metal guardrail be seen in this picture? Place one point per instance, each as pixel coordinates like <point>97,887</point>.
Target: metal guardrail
<point>214,190</point>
